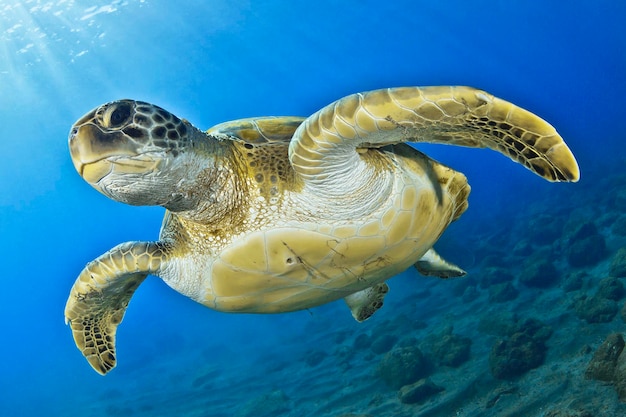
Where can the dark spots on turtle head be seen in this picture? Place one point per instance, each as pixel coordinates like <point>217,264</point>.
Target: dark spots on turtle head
<point>105,140</point>
<point>273,179</point>
<point>259,177</point>
<point>181,129</point>
<point>134,132</point>
<point>159,132</point>
<point>248,146</point>
<point>172,134</point>
<point>144,108</point>
<point>158,118</point>
<point>253,164</point>
<point>170,125</point>
<point>143,120</point>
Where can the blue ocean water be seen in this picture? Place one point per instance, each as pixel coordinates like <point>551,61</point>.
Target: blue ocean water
<point>219,60</point>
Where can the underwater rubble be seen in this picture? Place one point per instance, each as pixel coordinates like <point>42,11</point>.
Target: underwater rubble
<point>536,328</point>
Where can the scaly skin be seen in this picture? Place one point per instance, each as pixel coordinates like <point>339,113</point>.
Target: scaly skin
<point>278,214</point>
<point>101,294</point>
<point>448,115</point>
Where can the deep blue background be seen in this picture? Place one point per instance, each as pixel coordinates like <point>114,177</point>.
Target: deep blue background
<point>212,61</point>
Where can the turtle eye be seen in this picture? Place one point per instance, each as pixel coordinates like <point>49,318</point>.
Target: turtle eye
<point>116,115</point>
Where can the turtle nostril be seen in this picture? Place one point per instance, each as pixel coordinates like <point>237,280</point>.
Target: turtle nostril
<point>73,132</point>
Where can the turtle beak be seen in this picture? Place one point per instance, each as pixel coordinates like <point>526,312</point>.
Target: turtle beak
<point>90,146</point>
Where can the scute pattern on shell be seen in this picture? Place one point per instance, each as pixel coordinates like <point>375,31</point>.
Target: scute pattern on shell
<point>269,169</point>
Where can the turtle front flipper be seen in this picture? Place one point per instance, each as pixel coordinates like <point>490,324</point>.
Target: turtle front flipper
<point>100,295</point>
<point>449,115</point>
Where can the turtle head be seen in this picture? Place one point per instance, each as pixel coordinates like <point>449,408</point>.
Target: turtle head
<point>134,152</point>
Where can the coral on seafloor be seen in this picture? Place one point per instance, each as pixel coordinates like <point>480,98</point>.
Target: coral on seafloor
<point>403,366</point>
<point>604,361</point>
<point>524,350</point>
<point>539,273</point>
<point>512,357</point>
<point>618,264</point>
<point>451,350</point>
<point>587,246</point>
<point>609,364</point>
<point>610,288</point>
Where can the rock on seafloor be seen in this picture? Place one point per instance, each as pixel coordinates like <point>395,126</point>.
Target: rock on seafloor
<point>609,364</point>
<point>618,264</point>
<point>418,392</point>
<point>403,366</point>
<point>604,361</point>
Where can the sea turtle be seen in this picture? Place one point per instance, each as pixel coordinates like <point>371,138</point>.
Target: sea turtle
<point>276,214</point>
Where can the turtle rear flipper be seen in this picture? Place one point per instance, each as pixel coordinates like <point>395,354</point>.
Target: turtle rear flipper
<point>100,295</point>
<point>431,264</point>
<point>366,302</point>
